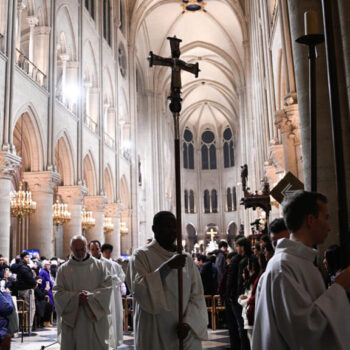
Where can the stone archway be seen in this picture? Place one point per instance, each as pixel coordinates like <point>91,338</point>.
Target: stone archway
<point>89,174</point>
<point>64,160</point>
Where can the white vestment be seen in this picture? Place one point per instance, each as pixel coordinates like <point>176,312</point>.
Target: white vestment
<point>116,316</point>
<point>293,308</point>
<point>156,301</point>
<point>83,326</point>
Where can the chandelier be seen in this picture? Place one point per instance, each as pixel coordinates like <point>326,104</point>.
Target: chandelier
<point>87,220</point>
<point>107,225</point>
<point>21,203</point>
<point>193,5</point>
<point>61,215</point>
<point>123,229</point>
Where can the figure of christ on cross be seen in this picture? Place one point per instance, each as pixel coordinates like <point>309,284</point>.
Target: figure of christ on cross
<point>177,65</point>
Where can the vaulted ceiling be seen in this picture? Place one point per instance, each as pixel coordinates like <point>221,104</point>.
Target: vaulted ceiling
<point>215,38</point>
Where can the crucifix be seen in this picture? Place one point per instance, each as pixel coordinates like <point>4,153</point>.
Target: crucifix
<point>212,234</point>
<point>176,65</point>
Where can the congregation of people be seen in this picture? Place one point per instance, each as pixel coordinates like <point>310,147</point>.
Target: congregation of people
<point>273,293</point>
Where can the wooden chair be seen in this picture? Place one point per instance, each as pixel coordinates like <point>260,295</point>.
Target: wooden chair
<point>127,310</point>
<point>218,305</point>
<point>210,309</point>
<point>24,316</point>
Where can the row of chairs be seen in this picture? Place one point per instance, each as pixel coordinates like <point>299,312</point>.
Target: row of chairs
<point>213,302</point>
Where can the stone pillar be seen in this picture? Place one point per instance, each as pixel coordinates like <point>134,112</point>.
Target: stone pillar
<point>42,185</point>
<point>64,58</point>
<point>41,48</point>
<point>325,159</point>
<point>96,204</point>
<point>112,210</point>
<point>285,124</point>
<point>73,196</point>
<point>20,6</point>
<point>126,239</point>
<point>32,22</point>
<point>94,103</point>
<point>8,166</point>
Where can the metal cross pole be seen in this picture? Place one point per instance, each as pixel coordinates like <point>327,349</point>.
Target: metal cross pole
<point>336,130</point>
<point>175,107</point>
<point>312,40</point>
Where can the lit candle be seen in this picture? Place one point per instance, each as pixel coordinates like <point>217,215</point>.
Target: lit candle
<point>311,23</point>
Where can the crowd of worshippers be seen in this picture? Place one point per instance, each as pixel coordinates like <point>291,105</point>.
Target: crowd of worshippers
<point>273,292</point>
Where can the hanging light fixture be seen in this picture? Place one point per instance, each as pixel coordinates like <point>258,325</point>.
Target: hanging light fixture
<point>107,225</point>
<point>21,203</point>
<point>60,213</point>
<point>87,220</point>
<point>123,229</point>
<point>193,5</point>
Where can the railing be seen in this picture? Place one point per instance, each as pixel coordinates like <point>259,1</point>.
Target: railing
<point>91,124</point>
<point>109,140</point>
<point>30,68</point>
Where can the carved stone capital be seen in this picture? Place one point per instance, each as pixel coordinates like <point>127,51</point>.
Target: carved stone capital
<point>95,203</point>
<point>42,181</point>
<point>42,30</point>
<point>9,163</point>
<point>73,195</point>
<point>32,21</point>
<point>276,157</point>
<point>283,122</point>
<point>112,210</point>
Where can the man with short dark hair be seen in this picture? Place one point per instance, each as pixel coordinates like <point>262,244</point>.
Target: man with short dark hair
<point>220,261</point>
<point>293,308</point>
<point>278,230</point>
<point>25,284</point>
<point>153,280</point>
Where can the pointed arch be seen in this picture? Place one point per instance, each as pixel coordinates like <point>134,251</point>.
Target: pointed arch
<point>64,159</point>
<point>124,192</point>
<point>33,151</point>
<point>109,188</point>
<point>89,174</point>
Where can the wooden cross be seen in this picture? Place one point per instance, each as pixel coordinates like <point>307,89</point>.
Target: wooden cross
<point>177,65</point>
<point>212,233</point>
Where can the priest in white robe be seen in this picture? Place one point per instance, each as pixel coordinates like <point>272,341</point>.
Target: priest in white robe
<point>115,319</point>
<point>82,295</point>
<point>293,308</point>
<point>152,279</point>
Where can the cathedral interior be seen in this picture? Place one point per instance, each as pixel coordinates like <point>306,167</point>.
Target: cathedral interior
<point>87,134</point>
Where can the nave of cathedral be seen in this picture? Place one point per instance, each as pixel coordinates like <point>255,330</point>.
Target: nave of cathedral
<point>87,137</point>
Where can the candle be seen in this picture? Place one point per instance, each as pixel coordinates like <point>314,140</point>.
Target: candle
<point>311,23</point>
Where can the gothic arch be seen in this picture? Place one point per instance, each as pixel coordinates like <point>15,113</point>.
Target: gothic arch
<point>124,192</point>
<point>89,174</point>
<point>32,138</point>
<point>109,188</point>
<point>64,159</point>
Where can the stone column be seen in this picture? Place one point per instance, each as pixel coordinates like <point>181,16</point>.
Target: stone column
<point>126,239</point>
<point>41,48</point>
<point>64,58</point>
<point>96,204</point>
<point>8,166</point>
<point>42,185</point>
<point>32,22</point>
<point>285,124</point>
<point>73,196</point>
<point>20,6</point>
<point>94,103</point>
<point>112,210</point>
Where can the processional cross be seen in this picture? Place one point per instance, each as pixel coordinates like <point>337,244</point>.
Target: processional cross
<point>212,234</point>
<point>177,65</point>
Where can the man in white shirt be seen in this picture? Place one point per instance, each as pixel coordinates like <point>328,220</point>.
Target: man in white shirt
<point>294,310</point>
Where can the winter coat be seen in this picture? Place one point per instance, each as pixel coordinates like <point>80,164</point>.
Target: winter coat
<point>6,308</point>
<point>25,279</point>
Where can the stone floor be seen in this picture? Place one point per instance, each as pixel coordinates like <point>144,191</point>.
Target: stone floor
<point>218,340</point>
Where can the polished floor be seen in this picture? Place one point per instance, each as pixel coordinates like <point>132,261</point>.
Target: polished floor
<point>42,339</point>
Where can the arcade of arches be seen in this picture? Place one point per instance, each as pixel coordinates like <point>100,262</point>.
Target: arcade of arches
<point>84,118</point>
